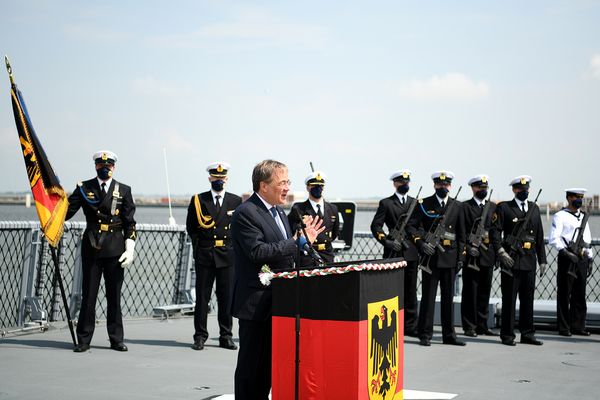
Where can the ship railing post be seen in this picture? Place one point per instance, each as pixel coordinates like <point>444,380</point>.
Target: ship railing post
<point>182,291</point>
<point>30,294</point>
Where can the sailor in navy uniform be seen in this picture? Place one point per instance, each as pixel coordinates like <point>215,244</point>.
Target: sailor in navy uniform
<point>107,247</point>
<point>208,218</point>
<point>522,265</point>
<point>571,308</point>
<point>480,261</point>
<point>391,213</point>
<point>317,206</point>
<point>444,265</point>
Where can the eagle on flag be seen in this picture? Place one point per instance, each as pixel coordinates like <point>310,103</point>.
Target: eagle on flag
<point>384,342</point>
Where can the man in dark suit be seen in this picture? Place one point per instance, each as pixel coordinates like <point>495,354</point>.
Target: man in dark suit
<point>392,212</point>
<point>317,206</point>
<point>509,216</point>
<point>261,236</point>
<point>107,247</point>
<point>208,218</point>
<point>443,265</point>
<point>479,268</point>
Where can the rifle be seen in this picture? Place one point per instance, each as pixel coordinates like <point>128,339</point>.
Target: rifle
<point>578,246</point>
<point>478,233</point>
<point>398,233</point>
<point>515,240</point>
<point>434,238</point>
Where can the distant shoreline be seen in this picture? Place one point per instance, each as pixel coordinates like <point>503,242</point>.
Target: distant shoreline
<point>361,205</point>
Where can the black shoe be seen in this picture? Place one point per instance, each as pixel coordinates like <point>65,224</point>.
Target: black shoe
<point>424,342</point>
<point>509,342</point>
<point>411,333</point>
<point>227,343</point>
<point>454,342</point>
<point>470,333</point>
<point>531,340</point>
<point>82,347</point>
<point>581,332</point>
<point>118,346</point>
<point>198,344</point>
<point>565,333</point>
<point>486,332</point>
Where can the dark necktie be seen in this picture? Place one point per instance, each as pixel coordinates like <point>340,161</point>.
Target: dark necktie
<point>443,204</point>
<point>481,205</point>
<point>278,221</point>
<point>218,202</point>
<point>523,207</point>
<point>319,213</point>
<point>103,189</point>
<point>402,201</point>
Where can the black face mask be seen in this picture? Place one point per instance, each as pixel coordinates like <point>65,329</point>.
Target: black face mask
<point>577,203</point>
<point>522,195</point>
<point>104,173</point>
<point>481,194</point>
<point>217,185</point>
<point>441,192</point>
<point>403,189</point>
<point>316,191</point>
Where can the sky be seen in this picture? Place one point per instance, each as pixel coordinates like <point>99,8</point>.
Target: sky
<point>361,89</point>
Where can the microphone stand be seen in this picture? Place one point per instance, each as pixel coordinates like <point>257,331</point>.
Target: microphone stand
<point>297,320</point>
<point>297,326</point>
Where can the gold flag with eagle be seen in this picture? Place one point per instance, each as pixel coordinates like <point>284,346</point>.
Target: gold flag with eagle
<point>50,199</point>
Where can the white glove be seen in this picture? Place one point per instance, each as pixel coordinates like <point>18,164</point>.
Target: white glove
<point>127,256</point>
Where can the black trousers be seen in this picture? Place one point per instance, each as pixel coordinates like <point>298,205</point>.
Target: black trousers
<point>445,278</point>
<point>474,305</point>
<point>522,283</point>
<point>93,269</point>
<point>205,278</point>
<point>571,308</point>
<point>252,378</point>
<point>410,296</point>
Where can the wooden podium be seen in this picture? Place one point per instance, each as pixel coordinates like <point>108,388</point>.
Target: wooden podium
<point>351,332</point>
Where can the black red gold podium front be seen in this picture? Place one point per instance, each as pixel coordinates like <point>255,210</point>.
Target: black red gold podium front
<point>351,335</point>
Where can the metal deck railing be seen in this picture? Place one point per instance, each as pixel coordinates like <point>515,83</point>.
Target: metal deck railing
<point>161,274</point>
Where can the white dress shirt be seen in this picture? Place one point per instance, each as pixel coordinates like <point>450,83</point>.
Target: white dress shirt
<point>519,202</point>
<point>314,205</point>
<point>214,196</point>
<point>402,197</point>
<point>277,219</point>
<point>108,182</point>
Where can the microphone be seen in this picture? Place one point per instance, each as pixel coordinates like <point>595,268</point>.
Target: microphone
<point>308,250</point>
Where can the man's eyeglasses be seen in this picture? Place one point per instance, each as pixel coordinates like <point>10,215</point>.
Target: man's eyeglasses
<point>287,183</point>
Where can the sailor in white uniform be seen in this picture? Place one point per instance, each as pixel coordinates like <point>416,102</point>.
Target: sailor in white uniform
<point>572,240</point>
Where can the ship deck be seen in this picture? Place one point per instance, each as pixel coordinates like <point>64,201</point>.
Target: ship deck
<point>160,364</point>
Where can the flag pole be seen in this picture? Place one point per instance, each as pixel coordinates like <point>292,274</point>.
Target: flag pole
<point>9,70</point>
<point>53,240</point>
<point>62,293</point>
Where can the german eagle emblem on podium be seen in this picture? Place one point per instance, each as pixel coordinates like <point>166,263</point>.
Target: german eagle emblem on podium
<point>383,349</point>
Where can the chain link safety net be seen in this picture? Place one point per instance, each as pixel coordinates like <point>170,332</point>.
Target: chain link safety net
<point>15,238</point>
<point>154,278</point>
